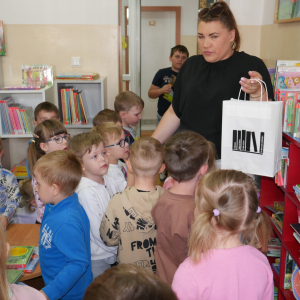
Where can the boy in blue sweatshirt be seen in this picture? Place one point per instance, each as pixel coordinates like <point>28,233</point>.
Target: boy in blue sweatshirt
<point>64,245</point>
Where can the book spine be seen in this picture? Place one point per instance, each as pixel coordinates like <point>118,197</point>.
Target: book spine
<point>14,111</point>
<point>62,100</point>
<point>20,120</point>
<point>17,266</point>
<point>11,116</point>
<point>84,110</point>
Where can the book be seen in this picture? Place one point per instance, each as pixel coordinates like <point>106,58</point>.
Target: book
<point>77,76</point>
<point>37,75</point>
<point>35,258</point>
<point>13,276</point>
<point>276,225</point>
<point>288,272</point>
<point>22,88</point>
<point>279,205</point>
<point>19,256</point>
<point>2,40</point>
<point>296,227</point>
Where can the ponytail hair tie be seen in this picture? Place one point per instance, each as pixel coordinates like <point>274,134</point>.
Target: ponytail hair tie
<point>258,210</point>
<point>36,136</point>
<point>216,212</point>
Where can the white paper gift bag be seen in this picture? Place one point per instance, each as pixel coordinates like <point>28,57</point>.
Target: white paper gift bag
<point>252,136</point>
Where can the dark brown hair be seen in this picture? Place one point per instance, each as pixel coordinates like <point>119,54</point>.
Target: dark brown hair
<point>26,191</point>
<point>106,115</point>
<point>226,17</point>
<point>128,282</point>
<point>185,153</point>
<point>62,168</point>
<point>234,195</point>
<point>43,132</point>
<point>180,49</point>
<point>126,100</point>
<point>46,106</point>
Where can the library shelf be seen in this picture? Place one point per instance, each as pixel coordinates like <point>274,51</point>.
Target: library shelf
<point>270,192</point>
<point>276,276</point>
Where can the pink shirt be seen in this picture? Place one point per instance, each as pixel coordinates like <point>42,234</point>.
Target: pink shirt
<point>25,292</point>
<point>226,274</point>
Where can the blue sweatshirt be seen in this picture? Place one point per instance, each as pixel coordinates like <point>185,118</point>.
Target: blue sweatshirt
<point>65,255</point>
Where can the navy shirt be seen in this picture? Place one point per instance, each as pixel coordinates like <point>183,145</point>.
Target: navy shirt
<point>163,77</point>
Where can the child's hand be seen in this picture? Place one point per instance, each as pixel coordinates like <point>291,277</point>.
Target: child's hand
<point>166,89</point>
<point>4,221</point>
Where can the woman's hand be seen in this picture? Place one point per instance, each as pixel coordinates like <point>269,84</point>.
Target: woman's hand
<point>252,87</point>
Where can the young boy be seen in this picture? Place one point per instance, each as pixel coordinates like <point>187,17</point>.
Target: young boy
<point>43,111</point>
<point>64,245</point>
<point>164,79</point>
<point>116,147</point>
<point>129,106</point>
<point>10,196</point>
<point>188,156</point>
<point>94,192</point>
<point>127,221</point>
<point>107,115</point>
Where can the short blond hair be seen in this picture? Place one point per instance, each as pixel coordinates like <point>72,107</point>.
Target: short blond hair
<point>83,143</point>
<point>234,195</point>
<point>106,115</point>
<point>62,168</point>
<point>126,100</point>
<point>146,156</point>
<point>26,191</point>
<point>108,131</point>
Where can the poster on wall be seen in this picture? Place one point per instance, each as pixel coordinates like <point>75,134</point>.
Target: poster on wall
<point>2,42</point>
<point>288,9</point>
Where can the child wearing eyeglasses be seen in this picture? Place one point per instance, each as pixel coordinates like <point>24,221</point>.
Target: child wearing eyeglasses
<point>50,135</point>
<point>94,192</point>
<point>117,149</point>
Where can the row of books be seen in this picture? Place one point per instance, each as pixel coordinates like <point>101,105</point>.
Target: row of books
<point>281,175</point>
<point>81,76</point>
<point>297,191</point>
<point>15,118</point>
<point>73,107</point>
<point>277,220</point>
<point>274,248</point>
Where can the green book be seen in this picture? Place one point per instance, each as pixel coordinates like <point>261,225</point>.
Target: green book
<point>19,256</point>
<point>288,272</point>
<point>13,276</point>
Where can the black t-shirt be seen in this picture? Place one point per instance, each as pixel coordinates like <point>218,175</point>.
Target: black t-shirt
<point>161,78</point>
<point>201,87</point>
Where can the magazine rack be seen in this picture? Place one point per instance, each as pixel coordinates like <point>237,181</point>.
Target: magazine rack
<point>270,192</point>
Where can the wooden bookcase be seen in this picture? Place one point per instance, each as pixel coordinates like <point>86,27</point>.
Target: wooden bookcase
<point>93,93</point>
<point>270,192</point>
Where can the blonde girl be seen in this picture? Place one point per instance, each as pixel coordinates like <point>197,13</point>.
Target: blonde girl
<point>13,291</point>
<point>50,135</point>
<point>230,229</point>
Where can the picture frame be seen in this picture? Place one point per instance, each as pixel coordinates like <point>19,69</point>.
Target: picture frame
<point>287,11</point>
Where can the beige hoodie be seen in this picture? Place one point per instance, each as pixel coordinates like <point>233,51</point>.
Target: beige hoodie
<point>128,223</point>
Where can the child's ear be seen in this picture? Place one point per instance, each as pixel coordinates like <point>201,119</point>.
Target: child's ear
<point>44,147</point>
<point>122,114</point>
<point>35,123</point>
<point>203,170</point>
<point>107,150</point>
<point>170,58</point>
<point>55,189</point>
<point>129,166</point>
<point>162,168</point>
<point>33,203</point>
<point>83,168</point>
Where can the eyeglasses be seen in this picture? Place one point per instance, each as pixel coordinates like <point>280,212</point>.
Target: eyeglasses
<point>121,143</point>
<point>214,11</point>
<point>59,139</point>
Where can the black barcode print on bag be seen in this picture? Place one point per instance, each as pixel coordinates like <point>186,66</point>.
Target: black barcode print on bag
<point>246,141</point>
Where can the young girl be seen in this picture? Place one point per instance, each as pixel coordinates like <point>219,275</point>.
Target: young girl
<point>49,136</point>
<point>224,261</point>
<point>13,291</point>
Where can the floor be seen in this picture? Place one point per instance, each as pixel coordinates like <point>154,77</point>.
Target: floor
<point>145,133</point>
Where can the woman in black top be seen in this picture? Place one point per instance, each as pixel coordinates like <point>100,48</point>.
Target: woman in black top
<point>204,81</point>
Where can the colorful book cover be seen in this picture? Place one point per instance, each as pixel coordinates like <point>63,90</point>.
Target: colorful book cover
<point>2,40</point>
<point>35,258</point>
<point>288,272</point>
<point>13,276</point>
<point>37,75</point>
<point>29,117</point>
<point>272,75</point>
<point>78,76</point>
<point>19,256</point>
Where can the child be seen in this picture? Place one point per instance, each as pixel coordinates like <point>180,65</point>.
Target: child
<point>49,136</point>
<point>116,147</point>
<point>43,111</point>
<point>188,156</point>
<point>27,214</point>
<point>128,282</point>
<point>164,79</point>
<point>94,192</point>
<point>229,227</point>
<point>13,291</point>
<point>127,221</point>
<point>64,245</point>
<point>9,193</point>
<point>107,115</point>
<point>129,106</point>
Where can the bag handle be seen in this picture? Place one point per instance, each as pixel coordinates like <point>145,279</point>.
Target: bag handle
<point>260,82</point>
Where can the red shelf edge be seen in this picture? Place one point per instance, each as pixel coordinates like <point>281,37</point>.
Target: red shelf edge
<point>287,294</point>
<point>289,137</point>
<point>294,199</point>
<point>276,230</point>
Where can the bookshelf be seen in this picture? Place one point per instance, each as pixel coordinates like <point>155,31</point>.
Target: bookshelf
<point>93,93</point>
<point>270,192</point>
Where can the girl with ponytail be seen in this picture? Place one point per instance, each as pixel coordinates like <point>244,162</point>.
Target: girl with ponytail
<point>230,229</point>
